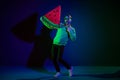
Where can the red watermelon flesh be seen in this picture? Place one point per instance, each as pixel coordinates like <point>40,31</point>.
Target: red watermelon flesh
<point>54,15</point>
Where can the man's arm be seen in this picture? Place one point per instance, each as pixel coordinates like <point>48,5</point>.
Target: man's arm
<point>48,23</point>
<point>72,33</point>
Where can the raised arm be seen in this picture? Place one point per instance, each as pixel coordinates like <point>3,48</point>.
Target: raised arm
<point>48,23</point>
<point>72,33</point>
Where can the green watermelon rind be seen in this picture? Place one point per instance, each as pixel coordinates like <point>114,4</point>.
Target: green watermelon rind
<point>48,23</point>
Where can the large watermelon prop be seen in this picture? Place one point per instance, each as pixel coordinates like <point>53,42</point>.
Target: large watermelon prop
<point>52,18</point>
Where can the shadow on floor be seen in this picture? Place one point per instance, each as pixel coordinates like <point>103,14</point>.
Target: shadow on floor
<point>43,70</point>
<point>112,76</point>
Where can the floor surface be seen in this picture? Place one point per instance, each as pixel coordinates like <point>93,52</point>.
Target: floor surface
<point>79,73</point>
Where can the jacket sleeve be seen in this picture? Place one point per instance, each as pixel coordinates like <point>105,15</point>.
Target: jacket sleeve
<point>72,33</point>
<point>48,23</point>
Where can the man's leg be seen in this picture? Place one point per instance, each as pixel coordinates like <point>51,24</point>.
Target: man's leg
<point>61,51</point>
<point>55,59</point>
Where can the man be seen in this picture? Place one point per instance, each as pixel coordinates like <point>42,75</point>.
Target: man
<point>64,32</point>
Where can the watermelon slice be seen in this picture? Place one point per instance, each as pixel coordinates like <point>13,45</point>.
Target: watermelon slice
<point>54,15</point>
<point>52,18</point>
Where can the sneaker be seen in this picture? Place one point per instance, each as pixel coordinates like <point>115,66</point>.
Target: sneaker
<point>57,74</point>
<point>70,72</point>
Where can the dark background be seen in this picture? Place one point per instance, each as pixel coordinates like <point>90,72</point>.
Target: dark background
<point>96,23</point>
